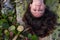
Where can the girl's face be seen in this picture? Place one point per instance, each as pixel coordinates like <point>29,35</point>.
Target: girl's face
<point>37,8</point>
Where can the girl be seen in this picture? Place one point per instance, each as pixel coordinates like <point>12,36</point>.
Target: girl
<point>41,20</point>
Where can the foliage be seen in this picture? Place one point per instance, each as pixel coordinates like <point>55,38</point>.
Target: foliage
<point>10,29</point>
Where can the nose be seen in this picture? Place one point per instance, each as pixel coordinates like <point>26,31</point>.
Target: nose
<point>38,8</point>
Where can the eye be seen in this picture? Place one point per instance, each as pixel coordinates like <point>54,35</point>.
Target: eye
<point>34,9</point>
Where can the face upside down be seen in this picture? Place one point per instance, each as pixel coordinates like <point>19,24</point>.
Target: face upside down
<point>42,21</point>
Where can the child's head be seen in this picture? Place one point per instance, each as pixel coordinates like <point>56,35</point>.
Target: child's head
<point>42,25</point>
<point>37,8</point>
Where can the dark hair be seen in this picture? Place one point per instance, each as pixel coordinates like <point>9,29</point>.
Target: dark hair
<point>42,26</point>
